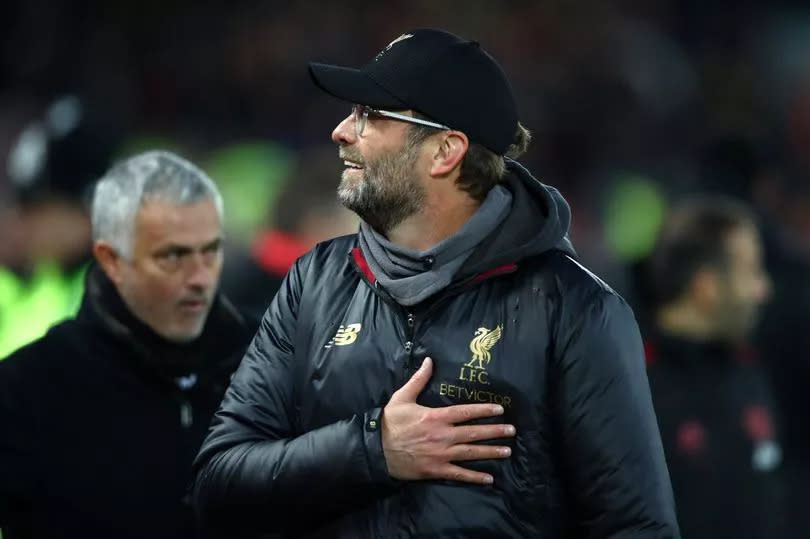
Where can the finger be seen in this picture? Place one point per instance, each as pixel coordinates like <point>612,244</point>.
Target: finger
<point>477,433</point>
<point>410,391</point>
<point>464,452</point>
<point>459,413</point>
<point>457,473</point>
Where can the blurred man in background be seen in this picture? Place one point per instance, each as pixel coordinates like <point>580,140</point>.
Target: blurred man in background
<point>713,402</point>
<point>758,173</point>
<point>100,418</point>
<point>306,211</point>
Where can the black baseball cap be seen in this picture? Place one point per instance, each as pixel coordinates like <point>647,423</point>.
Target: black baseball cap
<point>450,80</point>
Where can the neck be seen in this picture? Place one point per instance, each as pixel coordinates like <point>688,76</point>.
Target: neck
<point>441,217</point>
<point>683,319</point>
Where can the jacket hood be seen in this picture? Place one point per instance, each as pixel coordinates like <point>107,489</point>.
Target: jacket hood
<point>538,222</point>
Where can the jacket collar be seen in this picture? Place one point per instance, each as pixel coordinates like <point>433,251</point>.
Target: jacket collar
<point>103,309</point>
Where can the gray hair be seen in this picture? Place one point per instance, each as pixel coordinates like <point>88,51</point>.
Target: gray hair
<point>124,189</point>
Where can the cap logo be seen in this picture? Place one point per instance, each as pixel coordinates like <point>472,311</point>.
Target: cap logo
<point>403,37</point>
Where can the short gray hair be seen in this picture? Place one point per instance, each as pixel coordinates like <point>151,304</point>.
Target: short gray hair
<point>121,192</point>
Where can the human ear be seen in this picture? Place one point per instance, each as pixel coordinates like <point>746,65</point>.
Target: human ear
<point>449,153</point>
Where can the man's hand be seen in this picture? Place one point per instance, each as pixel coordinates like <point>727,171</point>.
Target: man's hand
<point>422,443</point>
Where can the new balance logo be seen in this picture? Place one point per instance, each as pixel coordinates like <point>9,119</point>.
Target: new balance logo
<point>345,335</point>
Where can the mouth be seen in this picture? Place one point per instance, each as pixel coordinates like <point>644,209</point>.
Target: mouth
<point>352,164</point>
<point>193,305</point>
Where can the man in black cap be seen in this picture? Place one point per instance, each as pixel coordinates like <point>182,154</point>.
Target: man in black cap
<point>450,370</point>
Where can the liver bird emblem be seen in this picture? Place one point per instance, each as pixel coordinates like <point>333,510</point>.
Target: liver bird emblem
<point>483,342</point>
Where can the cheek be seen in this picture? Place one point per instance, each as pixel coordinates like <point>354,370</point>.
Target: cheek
<point>161,288</point>
<point>751,292</point>
<point>739,291</point>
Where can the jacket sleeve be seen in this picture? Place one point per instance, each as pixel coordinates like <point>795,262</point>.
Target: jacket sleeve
<point>615,468</point>
<point>254,468</point>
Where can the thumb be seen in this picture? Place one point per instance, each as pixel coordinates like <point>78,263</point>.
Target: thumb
<point>413,387</point>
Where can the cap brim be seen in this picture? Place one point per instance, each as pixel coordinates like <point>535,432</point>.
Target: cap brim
<point>353,85</point>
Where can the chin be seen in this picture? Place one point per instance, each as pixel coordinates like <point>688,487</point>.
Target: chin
<point>184,335</point>
<point>348,191</point>
<point>350,201</point>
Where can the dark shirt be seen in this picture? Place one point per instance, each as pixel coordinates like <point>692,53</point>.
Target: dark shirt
<point>716,417</point>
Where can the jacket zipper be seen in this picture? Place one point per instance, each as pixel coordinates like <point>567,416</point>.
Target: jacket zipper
<point>410,322</point>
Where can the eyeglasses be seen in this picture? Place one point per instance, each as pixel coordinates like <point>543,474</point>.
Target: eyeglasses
<point>362,112</point>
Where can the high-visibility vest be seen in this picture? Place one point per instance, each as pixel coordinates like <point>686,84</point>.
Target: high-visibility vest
<point>30,306</point>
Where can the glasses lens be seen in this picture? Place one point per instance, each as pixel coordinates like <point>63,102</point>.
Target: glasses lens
<point>360,118</point>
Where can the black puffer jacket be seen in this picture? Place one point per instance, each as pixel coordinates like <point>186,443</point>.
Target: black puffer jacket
<point>295,447</point>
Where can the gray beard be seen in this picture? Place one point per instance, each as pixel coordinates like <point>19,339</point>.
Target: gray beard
<point>388,193</point>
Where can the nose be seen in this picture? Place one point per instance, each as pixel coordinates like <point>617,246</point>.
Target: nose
<point>345,132</point>
<point>203,273</point>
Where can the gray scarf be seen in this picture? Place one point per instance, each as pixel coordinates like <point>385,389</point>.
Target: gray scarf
<point>412,276</point>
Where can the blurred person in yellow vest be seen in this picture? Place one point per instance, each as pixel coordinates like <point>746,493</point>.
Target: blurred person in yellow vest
<point>49,168</point>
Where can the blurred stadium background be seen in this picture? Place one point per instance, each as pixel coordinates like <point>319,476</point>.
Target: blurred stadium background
<point>633,104</point>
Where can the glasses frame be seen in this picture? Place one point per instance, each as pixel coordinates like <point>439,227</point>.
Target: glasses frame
<point>362,112</point>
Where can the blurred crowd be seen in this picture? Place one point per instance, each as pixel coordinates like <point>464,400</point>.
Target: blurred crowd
<point>634,106</point>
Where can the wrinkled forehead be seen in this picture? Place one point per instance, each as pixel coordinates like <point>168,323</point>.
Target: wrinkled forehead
<point>160,222</point>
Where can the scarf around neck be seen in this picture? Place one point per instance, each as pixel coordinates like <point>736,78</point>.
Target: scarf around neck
<point>411,276</point>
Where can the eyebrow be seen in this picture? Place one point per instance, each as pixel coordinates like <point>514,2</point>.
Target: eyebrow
<point>185,249</point>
